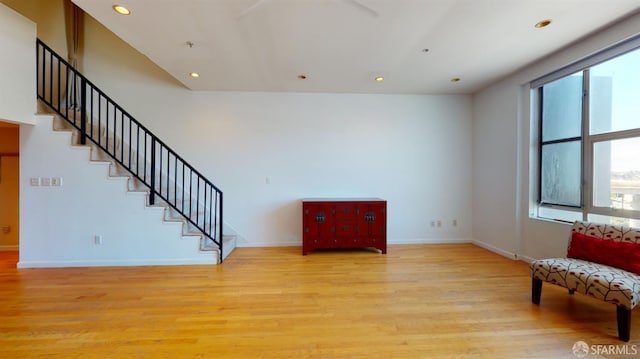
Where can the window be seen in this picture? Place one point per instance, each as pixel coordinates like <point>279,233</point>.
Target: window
<point>589,139</point>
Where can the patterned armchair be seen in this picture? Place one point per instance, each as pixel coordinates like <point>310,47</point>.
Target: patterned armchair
<point>603,261</point>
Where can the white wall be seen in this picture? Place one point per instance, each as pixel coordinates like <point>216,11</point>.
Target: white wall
<point>495,162</point>
<point>17,64</point>
<point>58,224</point>
<point>413,151</point>
<point>501,147</point>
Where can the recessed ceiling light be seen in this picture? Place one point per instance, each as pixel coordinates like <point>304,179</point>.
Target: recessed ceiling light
<point>121,10</point>
<point>379,79</point>
<point>302,77</point>
<point>455,79</point>
<point>195,75</point>
<point>543,23</point>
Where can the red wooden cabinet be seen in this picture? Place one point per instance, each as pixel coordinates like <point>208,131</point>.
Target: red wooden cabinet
<point>344,223</point>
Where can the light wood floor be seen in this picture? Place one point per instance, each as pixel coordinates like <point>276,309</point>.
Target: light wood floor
<point>418,301</point>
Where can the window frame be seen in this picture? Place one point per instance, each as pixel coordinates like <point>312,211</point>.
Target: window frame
<point>541,144</point>
<point>588,141</point>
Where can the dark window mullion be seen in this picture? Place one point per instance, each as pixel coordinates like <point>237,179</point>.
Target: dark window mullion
<point>562,140</point>
<point>540,144</point>
<point>586,155</point>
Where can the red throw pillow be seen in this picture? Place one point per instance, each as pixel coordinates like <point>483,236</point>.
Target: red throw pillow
<point>623,255</point>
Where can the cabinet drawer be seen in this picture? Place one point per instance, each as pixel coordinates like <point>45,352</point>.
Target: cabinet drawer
<point>346,212</point>
<point>349,229</point>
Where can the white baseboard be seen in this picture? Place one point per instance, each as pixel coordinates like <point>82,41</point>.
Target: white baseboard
<point>526,258</point>
<point>9,248</point>
<point>117,263</point>
<point>389,242</point>
<point>496,250</point>
<point>271,244</point>
<point>428,241</point>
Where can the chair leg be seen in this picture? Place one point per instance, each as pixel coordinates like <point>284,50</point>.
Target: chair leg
<point>624,323</point>
<point>536,290</point>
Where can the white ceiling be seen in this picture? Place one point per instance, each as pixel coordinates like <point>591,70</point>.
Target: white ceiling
<point>342,45</point>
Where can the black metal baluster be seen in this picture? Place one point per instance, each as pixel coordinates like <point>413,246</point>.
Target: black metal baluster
<point>99,120</point>
<point>159,167</point>
<point>83,112</point>
<point>183,189</point>
<point>58,102</point>
<point>50,78</point>
<point>130,144</point>
<point>145,157</point>
<point>121,136</point>
<point>210,208</point>
<point>204,209</point>
<point>219,224</point>
<point>115,130</point>
<point>190,190</point>
<point>152,197</point>
<point>39,76</point>
<point>92,135</point>
<point>198,201</point>
<point>106,131</point>
<point>137,150</point>
<point>73,98</point>
<point>168,175</point>
<point>65,106</point>
<point>175,180</point>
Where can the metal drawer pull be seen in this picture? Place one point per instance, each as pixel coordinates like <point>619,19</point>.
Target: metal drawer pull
<point>370,216</point>
<point>320,217</point>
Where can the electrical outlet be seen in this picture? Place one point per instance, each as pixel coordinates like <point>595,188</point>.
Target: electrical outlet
<point>34,181</point>
<point>454,222</point>
<point>433,223</point>
<point>439,223</point>
<point>97,240</point>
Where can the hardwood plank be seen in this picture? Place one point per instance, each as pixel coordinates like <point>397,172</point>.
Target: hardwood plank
<point>417,301</point>
<point>8,259</point>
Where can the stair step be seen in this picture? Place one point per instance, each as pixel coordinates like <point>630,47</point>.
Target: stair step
<point>117,171</point>
<point>228,245</point>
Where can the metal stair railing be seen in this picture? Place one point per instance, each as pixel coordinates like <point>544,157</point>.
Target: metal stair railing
<point>103,122</point>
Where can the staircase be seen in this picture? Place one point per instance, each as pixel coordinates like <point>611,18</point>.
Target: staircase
<point>132,152</point>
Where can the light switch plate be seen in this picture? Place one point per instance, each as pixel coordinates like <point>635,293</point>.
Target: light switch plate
<point>34,181</point>
<point>45,181</point>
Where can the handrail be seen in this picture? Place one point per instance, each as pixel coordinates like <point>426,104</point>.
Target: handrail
<point>105,123</point>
